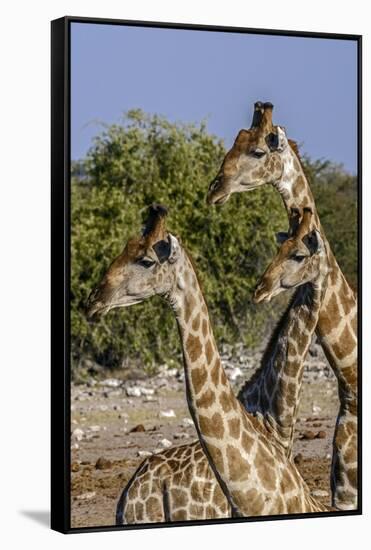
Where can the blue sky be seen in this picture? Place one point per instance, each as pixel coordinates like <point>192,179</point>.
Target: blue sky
<point>193,75</point>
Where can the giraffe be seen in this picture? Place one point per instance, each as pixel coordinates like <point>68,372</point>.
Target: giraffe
<point>264,155</point>
<point>178,484</point>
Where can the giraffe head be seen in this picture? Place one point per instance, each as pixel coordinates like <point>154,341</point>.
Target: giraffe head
<point>256,158</point>
<point>300,259</point>
<point>147,266</point>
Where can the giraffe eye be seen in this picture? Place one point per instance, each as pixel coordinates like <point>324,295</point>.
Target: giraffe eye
<point>297,258</point>
<point>258,154</point>
<point>145,262</point>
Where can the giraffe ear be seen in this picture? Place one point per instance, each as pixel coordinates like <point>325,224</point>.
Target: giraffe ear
<point>282,142</point>
<point>281,237</point>
<point>174,249</point>
<point>313,242</point>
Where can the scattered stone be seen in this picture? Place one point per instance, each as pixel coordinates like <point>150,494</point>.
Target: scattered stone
<point>103,464</point>
<point>103,408</point>
<point>147,391</point>
<point>75,447</point>
<point>138,428</point>
<point>166,443</point>
<point>110,383</point>
<point>78,434</point>
<point>316,424</point>
<point>187,422</point>
<point>234,373</point>
<point>308,435</point>
<point>94,428</point>
<point>116,407</point>
<point>321,434</point>
<point>298,459</point>
<point>170,413</point>
<point>319,493</point>
<point>149,399</point>
<point>181,435</point>
<point>134,391</point>
<point>86,496</point>
<point>144,454</point>
<point>316,408</point>
<point>75,467</point>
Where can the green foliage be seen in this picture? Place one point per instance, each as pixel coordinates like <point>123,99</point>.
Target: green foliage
<point>148,159</point>
<point>335,192</point>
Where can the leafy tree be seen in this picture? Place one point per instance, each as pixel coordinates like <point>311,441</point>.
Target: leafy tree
<point>148,159</point>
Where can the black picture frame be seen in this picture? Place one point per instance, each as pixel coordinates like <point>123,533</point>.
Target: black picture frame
<point>60,267</point>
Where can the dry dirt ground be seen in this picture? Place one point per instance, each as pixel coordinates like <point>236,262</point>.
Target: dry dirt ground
<point>105,451</point>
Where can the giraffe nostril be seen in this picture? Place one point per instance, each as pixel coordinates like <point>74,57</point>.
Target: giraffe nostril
<point>214,184</point>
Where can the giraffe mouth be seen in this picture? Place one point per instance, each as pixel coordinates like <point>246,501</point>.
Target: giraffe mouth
<point>98,310</point>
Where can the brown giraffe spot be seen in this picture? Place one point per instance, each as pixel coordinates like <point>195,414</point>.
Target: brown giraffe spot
<point>291,394</point>
<point>296,165</point>
<point>353,323</point>
<point>194,347</point>
<point>341,437</point>
<point>350,454</point>
<point>179,498</point>
<point>293,505</point>
<point>189,306</point>
<point>196,322</point>
<point>201,467</point>
<point>225,400</point>
<point>133,491</point>
<point>204,309</point>
<point>199,454</point>
<point>279,505</point>
<point>239,469</point>
<point>153,508</point>
<point>215,372</point>
<point>255,500</point>
<point>217,457</point>
<point>299,184</point>
<point>206,399</point>
<point>139,510</point>
<point>197,492</point>
<point>179,515</point>
<point>345,344</point>
<point>199,377</point>
<point>129,513</point>
<point>223,378</point>
<point>205,328</point>
<point>210,511</point>
<point>287,483</point>
<point>330,316</point>
<point>352,476</point>
<point>219,497</point>
<point>196,511</point>
<point>264,464</point>
<point>144,490</point>
<point>212,427</point>
<point>247,441</point>
<point>234,426</point>
<point>209,351</point>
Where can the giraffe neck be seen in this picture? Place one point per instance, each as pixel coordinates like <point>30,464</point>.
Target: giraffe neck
<point>295,192</point>
<point>273,392</point>
<point>207,388</point>
<point>293,185</point>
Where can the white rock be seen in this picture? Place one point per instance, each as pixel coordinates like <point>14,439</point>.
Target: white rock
<point>103,408</point>
<point>187,422</point>
<point>181,435</point>
<point>170,413</point>
<point>166,443</point>
<point>110,383</point>
<point>75,447</point>
<point>235,373</point>
<point>316,408</point>
<point>319,493</point>
<point>95,428</point>
<point>78,434</point>
<point>134,391</point>
<point>86,496</point>
<point>147,391</point>
<point>144,454</point>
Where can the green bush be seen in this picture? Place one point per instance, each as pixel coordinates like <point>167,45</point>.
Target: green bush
<point>148,159</point>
